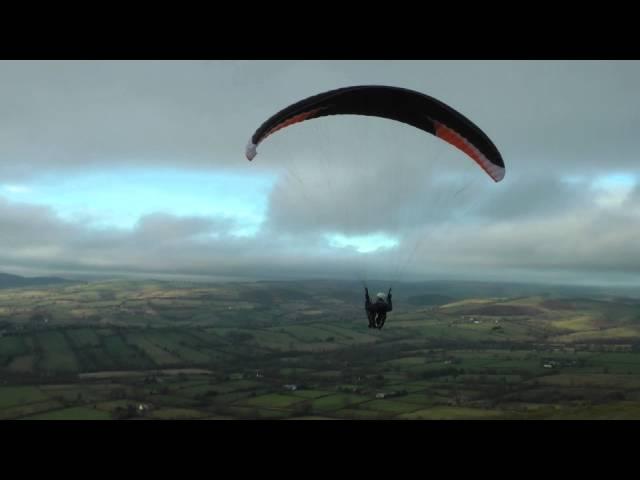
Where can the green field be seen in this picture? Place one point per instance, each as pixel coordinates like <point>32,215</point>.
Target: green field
<point>614,411</point>
<point>224,351</point>
<point>22,364</point>
<point>12,396</point>
<point>417,399</point>
<point>257,413</point>
<point>310,394</point>
<point>158,355</point>
<point>176,414</point>
<point>407,362</point>
<point>273,340</point>
<point>187,349</point>
<point>74,413</point>
<point>57,355</point>
<point>84,338</point>
<point>308,334</point>
<point>11,347</point>
<point>347,413</point>
<point>124,356</point>
<point>273,400</point>
<point>337,402</point>
<point>451,413</point>
<point>394,406</point>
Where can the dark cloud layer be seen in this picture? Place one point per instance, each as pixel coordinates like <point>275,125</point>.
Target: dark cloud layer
<point>554,122</point>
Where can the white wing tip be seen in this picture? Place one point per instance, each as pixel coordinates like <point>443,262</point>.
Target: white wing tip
<point>498,174</point>
<point>251,151</point>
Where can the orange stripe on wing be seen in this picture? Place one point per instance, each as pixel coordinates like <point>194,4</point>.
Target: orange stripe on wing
<point>301,117</point>
<point>461,143</point>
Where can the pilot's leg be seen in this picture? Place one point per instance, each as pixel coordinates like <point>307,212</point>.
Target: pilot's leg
<point>371,317</point>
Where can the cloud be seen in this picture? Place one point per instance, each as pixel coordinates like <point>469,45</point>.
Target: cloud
<point>562,127</point>
<point>599,244</point>
<point>16,188</point>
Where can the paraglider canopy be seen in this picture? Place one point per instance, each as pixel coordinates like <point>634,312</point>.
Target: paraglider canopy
<point>394,103</point>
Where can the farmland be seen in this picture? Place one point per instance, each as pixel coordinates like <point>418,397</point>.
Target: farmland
<point>163,350</point>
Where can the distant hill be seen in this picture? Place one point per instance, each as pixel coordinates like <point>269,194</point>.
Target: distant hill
<point>432,293</point>
<point>502,310</point>
<point>14,281</point>
<point>471,289</point>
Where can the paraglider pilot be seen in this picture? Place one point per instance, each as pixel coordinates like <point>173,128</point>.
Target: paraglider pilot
<point>377,312</point>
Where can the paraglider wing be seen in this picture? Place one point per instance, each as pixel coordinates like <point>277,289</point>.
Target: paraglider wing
<point>403,105</point>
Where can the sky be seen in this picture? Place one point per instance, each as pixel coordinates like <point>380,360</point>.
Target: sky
<point>137,168</point>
